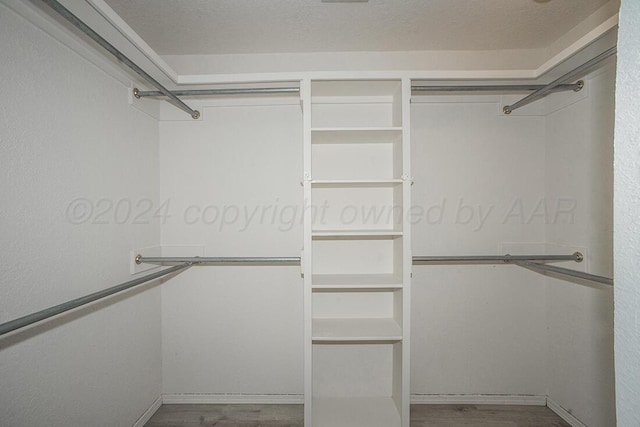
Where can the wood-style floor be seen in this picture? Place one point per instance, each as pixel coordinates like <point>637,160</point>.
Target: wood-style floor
<point>291,416</point>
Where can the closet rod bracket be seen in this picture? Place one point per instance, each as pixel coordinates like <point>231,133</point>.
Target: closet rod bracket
<point>138,95</point>
<point>508,259</point>
<point>580,84</point>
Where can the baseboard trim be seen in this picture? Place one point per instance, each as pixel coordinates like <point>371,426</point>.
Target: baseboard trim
<point>149,413</point>
<point>213,398</point>
<point>434,399</point>
<point>478,399</point>
<point>564,414</point>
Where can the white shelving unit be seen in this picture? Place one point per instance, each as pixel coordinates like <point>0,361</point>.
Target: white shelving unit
<point>357,255</point>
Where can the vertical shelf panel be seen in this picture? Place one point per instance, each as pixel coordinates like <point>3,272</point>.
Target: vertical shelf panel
<point>307,253</point>
<point>356,179</point>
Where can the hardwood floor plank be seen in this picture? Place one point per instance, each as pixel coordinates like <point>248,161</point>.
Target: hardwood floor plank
<point>291,416</point>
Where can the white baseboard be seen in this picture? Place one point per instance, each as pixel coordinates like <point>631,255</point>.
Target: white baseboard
<point>564,414</point>
<point>442,399</point>
<point>212,398</point>
<point>478,399</point>
<point>149,413</point>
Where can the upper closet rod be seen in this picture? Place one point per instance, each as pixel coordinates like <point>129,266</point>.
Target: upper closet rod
<point>78,302</point>
<point>214,92</point>
<point>294,89</point>
<point>560,80</point>
<point>495,88</point>
<point>75,21</point>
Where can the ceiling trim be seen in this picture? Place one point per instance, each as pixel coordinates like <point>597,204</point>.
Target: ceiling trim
<point>147,55</point>
<point>123,28</point>
<point>580,44</point>
<point>199,79</point>
<point>191,79</point>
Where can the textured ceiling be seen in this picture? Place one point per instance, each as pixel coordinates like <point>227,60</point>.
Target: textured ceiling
<point>174,27</point>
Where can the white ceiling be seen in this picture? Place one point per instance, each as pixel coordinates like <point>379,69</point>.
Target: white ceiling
<point>174,27</point>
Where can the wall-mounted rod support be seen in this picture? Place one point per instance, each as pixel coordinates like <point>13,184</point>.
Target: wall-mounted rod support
<point>78,302</point>
<point>495,88</point>
<point>219,260</point>
<point>565,272</point>
<point>218,92</point>
<point>560,80</point>
<point>577,257</point>
<point>79,24</point>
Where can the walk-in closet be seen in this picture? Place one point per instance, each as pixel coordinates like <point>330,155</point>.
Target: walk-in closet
<point>319,213</point>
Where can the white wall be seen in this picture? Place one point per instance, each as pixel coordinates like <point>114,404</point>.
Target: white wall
<point>500,330</point>
<point>67,132</point>
<point>482,182</point>
<point>626,223</point>
<point>478,178</point>
<point>579,168</point>
<point>233,184</point>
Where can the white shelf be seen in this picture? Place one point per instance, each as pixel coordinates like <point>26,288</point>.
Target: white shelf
<point>356,135</point>
<point>356,281</point>
<point>355,87</point>
<point>356,182</point>
<point>356,330</point>
<point>355,412</point>
<point>355,234</point>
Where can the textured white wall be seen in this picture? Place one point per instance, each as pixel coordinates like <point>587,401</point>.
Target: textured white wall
<point>579,168</point>
<point>232,182</point>
<point>478,178</point>
<point>237,329</point>
<point>627,218</point>
<point>67,132</point>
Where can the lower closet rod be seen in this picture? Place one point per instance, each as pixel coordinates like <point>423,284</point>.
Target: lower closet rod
<point>577,257</point>
<point>78,302</point>
<point>218,260</point>
<point>565,272</point>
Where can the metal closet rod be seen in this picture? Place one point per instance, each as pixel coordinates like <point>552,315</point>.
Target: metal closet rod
<point>218,260</point>
<point>294,89</point>
<point>78,302</point>
<point>79,24</point>
<point>527,261</point>
<point>577,257</point>
<point>495,88</point>
<point>217,92</point>
<point>564,271</point>
<point>416,88</point>
<point>560,80</point>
